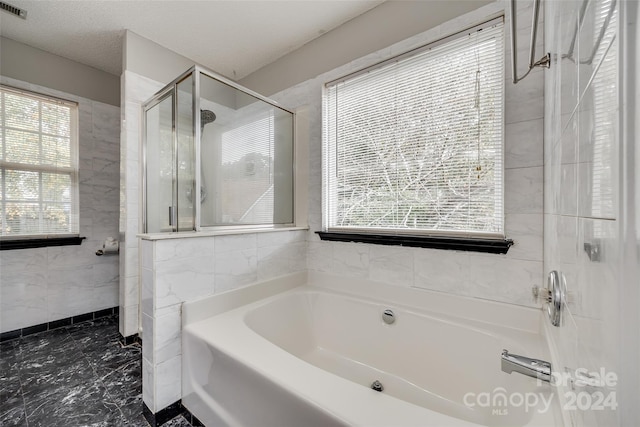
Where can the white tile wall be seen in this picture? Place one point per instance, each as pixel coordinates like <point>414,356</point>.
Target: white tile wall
<point>46,284</point>
<point>391,265</point>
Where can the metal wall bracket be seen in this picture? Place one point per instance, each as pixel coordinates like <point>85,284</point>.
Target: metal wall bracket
<point>544,62</point>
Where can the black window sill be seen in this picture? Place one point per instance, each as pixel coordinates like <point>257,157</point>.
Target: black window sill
<point>7,245</point>
<point>491,246</point>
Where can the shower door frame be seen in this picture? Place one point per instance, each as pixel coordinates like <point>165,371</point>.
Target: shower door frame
<point>155,101</point>
<point>171,89</point>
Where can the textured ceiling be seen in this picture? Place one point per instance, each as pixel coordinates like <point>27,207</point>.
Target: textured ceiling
<point>234,38</point>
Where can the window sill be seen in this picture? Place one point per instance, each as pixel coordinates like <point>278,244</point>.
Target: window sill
<point>7,245</point>
<point>491,246</point>
<point>215,232</point>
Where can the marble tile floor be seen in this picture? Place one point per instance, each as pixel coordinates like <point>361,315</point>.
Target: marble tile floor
<point>80,375</point>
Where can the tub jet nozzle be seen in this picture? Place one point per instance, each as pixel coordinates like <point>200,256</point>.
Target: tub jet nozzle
<point>377,386</point>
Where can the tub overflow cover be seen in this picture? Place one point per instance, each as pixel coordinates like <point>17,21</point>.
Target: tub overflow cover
<point>388,317</point>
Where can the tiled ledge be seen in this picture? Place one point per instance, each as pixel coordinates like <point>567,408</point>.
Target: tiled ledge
<point>23,332</point>
<point>209,233</point>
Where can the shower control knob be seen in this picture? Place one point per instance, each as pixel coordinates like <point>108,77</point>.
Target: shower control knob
<point>554,296</point>
<point>557,285</point>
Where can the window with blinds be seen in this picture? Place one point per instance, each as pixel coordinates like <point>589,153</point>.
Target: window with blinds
<point>414,145</point>
<point>38,165</point>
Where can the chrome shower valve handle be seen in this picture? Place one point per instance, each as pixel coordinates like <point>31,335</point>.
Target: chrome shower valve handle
<point>554,296</point>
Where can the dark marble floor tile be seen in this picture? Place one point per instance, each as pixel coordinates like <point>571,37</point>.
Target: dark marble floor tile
<point>9,371</point>
<point>97,328</point>
<point>39,381</point>
<point>9,364</point>
<point>132,415</point>
<point>112,356</point>
<point>12,411</point>
<point>46,341</point>
<point>10,387</point>
<point>79,375</point>
<point>47,355</point>
<point>114,418</point>
<point>15,418</point>
<point>10,351</point>
<point>80,405</point>
<point>7,346</point>
<point>124,384</point>
<point>87,342</point>
<point>178,421</point>
<point>48,361</point>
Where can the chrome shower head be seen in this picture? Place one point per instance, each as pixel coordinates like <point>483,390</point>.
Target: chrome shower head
<point>206,117</point>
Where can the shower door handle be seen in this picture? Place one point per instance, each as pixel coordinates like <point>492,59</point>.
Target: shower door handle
<point>171,216</point>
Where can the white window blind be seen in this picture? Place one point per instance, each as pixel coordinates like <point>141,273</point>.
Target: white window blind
<point>247,194</point>
<point>415,145</point>
<point>38,165</point>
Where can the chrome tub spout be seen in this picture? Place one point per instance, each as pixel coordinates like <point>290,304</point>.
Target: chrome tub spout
<point>526,366</point>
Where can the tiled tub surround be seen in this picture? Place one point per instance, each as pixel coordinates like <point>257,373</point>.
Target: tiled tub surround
<point>581,218</point>
<point>275,354</point>
<point>47,284</point>
<point>176,269</point>
<point>506,278</point>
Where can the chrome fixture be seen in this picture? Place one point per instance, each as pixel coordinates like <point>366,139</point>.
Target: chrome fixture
<point>377,386</point>
<point>206,117</point>
<point>545,61</point>
<point>526,366</point>
<point>554,295</point>
<point>388,317</point>
<point>593,250</point>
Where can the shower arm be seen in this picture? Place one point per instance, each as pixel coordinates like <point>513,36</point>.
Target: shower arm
<point>545,61</point>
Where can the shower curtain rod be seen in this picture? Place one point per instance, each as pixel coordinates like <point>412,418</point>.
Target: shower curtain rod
<point>545,61</point>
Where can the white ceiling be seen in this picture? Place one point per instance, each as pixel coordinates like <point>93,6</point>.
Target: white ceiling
<point>234,38</point>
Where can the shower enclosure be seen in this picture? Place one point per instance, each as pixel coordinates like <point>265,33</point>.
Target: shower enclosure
<point>216,155</point>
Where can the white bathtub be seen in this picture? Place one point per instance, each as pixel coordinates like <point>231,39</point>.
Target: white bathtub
<point>303,351</point>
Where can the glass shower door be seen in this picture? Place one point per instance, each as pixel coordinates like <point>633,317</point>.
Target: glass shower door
<point>160,173</point>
